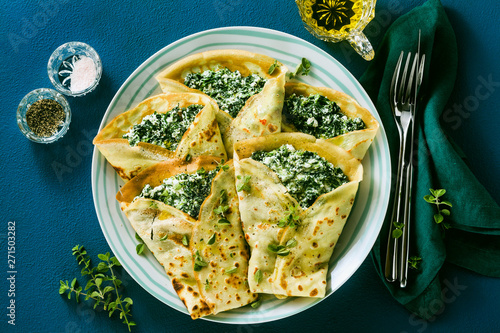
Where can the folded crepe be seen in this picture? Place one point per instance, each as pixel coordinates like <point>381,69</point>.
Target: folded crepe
<point>202,137</point>
<point>291,259</point>
<point>201,274</point>
<point>261,114</point>
<point>219,241</point>
<point>356,142</point>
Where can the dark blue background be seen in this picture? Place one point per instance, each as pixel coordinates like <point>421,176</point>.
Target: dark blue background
<point>55,212</point>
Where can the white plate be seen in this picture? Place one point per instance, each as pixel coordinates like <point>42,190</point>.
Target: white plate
<point>369,209</point>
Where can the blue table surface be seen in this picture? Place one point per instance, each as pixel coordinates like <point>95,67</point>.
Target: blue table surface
<point>52,215</point>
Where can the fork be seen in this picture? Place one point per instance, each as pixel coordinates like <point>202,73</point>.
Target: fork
<point>403,95</point>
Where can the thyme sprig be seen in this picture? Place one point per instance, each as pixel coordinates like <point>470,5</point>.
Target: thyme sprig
<point>398,229</point>
<point>244,184</point>
<point>291,219</point>
<point>303,68</point>
<point>282,250</point>
<point>273,67</point>
<point>102,287</point>
<point>414,262</point>
<point>435,198</point>
<point>139,249</point>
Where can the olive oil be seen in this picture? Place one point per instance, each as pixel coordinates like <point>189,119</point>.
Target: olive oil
<point>337,20</point>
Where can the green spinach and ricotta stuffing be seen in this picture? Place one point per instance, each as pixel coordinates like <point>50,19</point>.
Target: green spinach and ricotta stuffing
<point>163,129</point>
<point>183,191</point>
<point>318,116</point>
<point>229,89</point>
<point>305,174</point>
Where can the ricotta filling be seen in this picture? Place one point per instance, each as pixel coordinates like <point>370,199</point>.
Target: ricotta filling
<point>183,191</point>
<point>305,174</point>
<point>163,129</point>
<point>229,89</point>
<point>317,115</point>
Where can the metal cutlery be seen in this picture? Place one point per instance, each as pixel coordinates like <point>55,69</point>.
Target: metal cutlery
<point>404,89</point>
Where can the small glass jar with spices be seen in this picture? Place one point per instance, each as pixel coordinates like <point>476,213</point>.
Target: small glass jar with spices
<point>43,115</point>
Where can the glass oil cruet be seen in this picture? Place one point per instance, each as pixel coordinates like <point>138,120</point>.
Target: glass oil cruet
<point>338,20</point>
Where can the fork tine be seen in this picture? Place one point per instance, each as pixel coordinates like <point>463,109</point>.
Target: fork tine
<point>409,93</point>
<point>401,91</point>
<point>419,77</point>
<point>421,70</point>
<point>395,77</point>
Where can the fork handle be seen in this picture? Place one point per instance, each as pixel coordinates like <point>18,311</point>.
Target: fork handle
<point>391,257</point>
<point>408,182</point>
<point>405,241</point>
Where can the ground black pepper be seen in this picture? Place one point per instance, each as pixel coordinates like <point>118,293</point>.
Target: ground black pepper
<point>44,117</point>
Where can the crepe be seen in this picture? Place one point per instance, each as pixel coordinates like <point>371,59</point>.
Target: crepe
<point>356,142</point>
<point>265,201</point>
<point>261,114</point>
<point>166,231</point>
<point>223,283</point>
<point>201,138</point>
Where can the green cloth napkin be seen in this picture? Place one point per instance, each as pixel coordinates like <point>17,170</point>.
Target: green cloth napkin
<point>473,241</point>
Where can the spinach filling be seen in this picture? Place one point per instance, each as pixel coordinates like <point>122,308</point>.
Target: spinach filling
<point>183,191</point>
<point>305,174</point>
<point>318,116</point>
<point>163,129</point>
<point>229,89</point>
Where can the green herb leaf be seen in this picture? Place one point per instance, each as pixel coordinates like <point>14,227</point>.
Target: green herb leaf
<point>231,271</point>
<point>273,248</point>
<point>63,287</point>
<point>258,276</point>
<point>445,212</point>
<point>398,225</point>
<point>439,193</point>
<point>396,233</point>
<point>221,210</point>
<point>211,240</point>
<point>283,252</point>
<point>439,216</point>
<point>306,66</point>
<point>257,303</point>
<point>429,198</point>
<point>185,240</point>
<point>414,262</point>
<point>303,68</point>
<point>280,250</point>
<point>291,219</point>
<point>138,237</point>
<point>73,283</point>
<point>164,238</point>
<point>224,221</point>
<point>139,248</point>
<point>107,289</point>
<point>272,67</point>
<point>244,184</point>
<point>115,261</point>
<point>222,197</point>
<point>199,263</point>
<point>291,243</point>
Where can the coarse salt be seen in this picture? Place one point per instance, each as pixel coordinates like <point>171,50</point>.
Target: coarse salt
<point>83,75</point>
